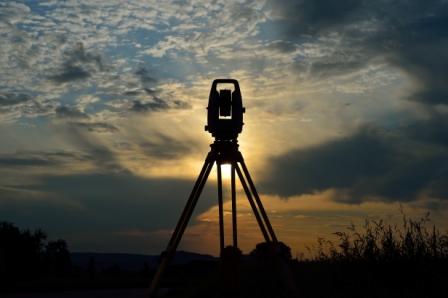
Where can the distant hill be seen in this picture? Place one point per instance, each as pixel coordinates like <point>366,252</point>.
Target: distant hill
<point>132,262</point>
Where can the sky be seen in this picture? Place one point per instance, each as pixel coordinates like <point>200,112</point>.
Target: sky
<point>102,114</point>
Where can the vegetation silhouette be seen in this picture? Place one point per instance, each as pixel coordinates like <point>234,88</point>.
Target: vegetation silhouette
<point>376,259</point>
<point>380,242</point>
<point>31,263</point>
<point>26,255</point>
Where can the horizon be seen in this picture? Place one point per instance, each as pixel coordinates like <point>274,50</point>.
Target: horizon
<point>103,107</point>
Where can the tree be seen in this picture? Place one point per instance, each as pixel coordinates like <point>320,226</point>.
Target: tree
<point>57,257</point>
<point>20,251</point>
<point>25,254</point>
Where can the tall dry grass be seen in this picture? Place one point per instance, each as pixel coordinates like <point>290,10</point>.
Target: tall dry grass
<point>379,241</point>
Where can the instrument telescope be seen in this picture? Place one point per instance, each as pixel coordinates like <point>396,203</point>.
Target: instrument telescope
<point>225,111</point>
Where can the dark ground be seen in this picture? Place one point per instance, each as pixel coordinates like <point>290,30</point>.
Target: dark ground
<point>256,279</point>
<point>108,293</point>
<point>379,260</point>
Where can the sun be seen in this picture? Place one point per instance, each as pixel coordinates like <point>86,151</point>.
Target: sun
<point>225,171</point>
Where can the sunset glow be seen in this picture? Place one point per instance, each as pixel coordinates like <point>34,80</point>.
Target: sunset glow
<point>103,108</point>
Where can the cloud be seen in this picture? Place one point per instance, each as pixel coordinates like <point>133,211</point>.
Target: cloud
<point>66,112</point>
<point>10,99</point>
<point>308,16</point>
<point>79,119</point>
<point>158,104</point>
<point>14,105</point>
<point>99,154</point>
<point>433,130</point>
<point>99,127</point>
<point>78,65</point>
<point>407,160</point>
<point>23,161</point>
<point>408,35</point>
<point>101,205</point>
<point>421,50</point>
<point>210,30</point>
<point>282,46</point>
<point>367,165</point>
<point>165,147</point>
<point>154,105</point>
<point>39,158</point>
<point>144,75</point>
<point>70,73</point>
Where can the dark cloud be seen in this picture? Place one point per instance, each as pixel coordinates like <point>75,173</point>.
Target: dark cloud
<point>166,147</point>
<point>413,158</point>
<point>67,112</point>
<point>155,105</point>
<point>282,46</point>
<point>433,130</point>
<point>39,158</point>
<point>132,92</point>
<point>70,73</point>
<point>158,104</point>
<point>13,98</point>
<point>100,155</point>
<point>331,67</point>
<point>145,77</point>
<point>77,118</point>
<point>78,65</point>
<point>366,164</point>
<point>422,51</point>
<point>410,35</point>
<point>311,16</point>
<point>100,127</point>
<point>102,205</point>
<point>180,104</point>
<point>148,88</point>
<point>41,107</point>
<point>21,104</point>
<point>13,161</point>
<point>148,91</point>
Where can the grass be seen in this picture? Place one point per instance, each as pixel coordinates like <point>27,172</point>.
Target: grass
<point>416,240</point>
<point>378,259</point>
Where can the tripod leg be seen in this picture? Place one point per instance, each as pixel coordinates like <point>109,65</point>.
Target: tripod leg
<point>221,210</point>
<point>193,205</point>
<point>181,225</point>
<point>257,199</point>
<point>192,194</point>
<point>252,203</point>
<point>234,221</point>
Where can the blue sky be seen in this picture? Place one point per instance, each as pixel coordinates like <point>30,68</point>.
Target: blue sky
<point>102,111</point>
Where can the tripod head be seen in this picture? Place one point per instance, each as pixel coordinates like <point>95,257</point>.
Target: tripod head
<point>225,111</point>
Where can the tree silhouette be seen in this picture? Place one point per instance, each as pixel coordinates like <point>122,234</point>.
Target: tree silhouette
<point>26,255</point>
<point>20,251</point>
<point>57,257</point>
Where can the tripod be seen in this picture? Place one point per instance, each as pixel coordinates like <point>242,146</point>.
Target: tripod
<point>222,152</point>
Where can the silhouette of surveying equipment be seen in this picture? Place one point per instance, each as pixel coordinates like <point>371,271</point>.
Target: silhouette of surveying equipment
<point>225,111</point>
<point>224,122</point>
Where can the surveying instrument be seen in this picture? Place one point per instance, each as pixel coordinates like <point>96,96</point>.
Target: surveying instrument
<point>224,121</point>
